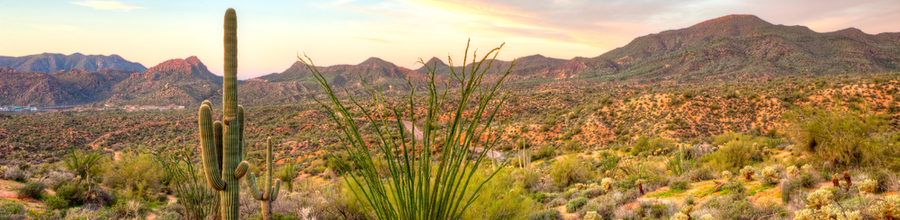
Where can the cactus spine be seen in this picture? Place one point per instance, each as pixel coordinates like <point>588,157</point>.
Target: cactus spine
<point>269,194</point>
<point>222,141</point>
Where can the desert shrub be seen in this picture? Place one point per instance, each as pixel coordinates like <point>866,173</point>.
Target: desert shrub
<point>103,198</point>
<point>544,152</point>
<point>546,214</point>
<point>131,209</point>
<point>653,210</point>
<point>842,138</point>
<point>572,146</point>
<point>808,180</point>
<point>700,174</point>
<point>316,167</point>
<point>652,145</point>
<point>58,178</point>
<point>501,198</point>
<point>575,204</point>
<point>136,175</point>
<point>570,169</point>
<point>729,207</point>
<point>15,173</point>
<point>15,211</point>
<point>176,216</point>
<point>527,177</point>
<point>73,194</point>
<point>733,155</point>
<point>557,202</point>
<point>679,185</point>
<point>33,190</point>
<point>882,178</point>
<point>55,203</point>
<point>607,162</point>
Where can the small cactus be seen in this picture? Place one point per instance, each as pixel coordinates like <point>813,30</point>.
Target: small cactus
<point>680,216</point>
<point>606,183</point>
<point>786,189</point>
<point>887,208</point>
<point>769,175</point>
<point>818,199</point>
<point>868,186</point>
<point>726,175</point>
<point>835,181</point>
<point>269,194</point>
<point>792,171</point>
<point>848,180</point>
<point>806,168</point>
<point>747,172</point>
<point>592,215</point>
<point>640,185</point>
<point>706,217</point>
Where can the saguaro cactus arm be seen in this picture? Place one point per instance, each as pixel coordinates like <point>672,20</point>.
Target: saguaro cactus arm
<point>207,143</point>
<point>270,192</point>
<point>241,169</point>
<point>251,184</point>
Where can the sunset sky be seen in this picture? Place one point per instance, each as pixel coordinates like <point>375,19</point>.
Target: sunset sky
<point>271,33</point>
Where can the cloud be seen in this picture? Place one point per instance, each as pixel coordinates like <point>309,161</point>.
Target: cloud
<point>108,5</point>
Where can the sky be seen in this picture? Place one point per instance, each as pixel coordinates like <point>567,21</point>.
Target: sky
<point>272,33</point>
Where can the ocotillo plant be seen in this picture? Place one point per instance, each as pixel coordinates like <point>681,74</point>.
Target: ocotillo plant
<point>417,187</point>
<point>221,140</point>
<point>269,194</point>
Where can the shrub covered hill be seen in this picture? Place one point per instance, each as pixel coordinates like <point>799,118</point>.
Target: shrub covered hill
<point>732,74</point>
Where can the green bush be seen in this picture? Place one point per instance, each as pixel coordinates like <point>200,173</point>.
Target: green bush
<point>570,169</point>
<point>33,189</point>
<point>841,138</point>
<point>654,145</point>
<point>543,152</point>
<point>546,214</point>
<point>14,210</point>
<point>136,175</point>
<point>808,181</point>
<point>73,194</point>
<point>572,146</point>
<point>55,203</point>
<point>575,204</point>
<point>679,185</point>
<point>733,155</point>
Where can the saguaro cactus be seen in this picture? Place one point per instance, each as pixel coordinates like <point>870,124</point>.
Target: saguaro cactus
<point>222,141</point>
<point>268,194</point>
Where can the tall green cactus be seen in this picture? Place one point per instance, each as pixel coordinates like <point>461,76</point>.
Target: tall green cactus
<point>269,194</point>
<point>222,141</point>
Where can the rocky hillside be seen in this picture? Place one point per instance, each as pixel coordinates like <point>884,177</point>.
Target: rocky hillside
<point>52,62</point>
<point>175,81</point>
<point>58,88</point>
<point>746,47</point>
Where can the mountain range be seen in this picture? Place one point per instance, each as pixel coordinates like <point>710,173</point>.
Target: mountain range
<point>734,47</point>
<point>52,62</point>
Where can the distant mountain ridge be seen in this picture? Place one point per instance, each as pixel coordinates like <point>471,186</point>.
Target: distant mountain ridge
<point>52,62</point>
<point>734,47</point>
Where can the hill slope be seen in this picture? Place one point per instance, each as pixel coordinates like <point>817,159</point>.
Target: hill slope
<point>52,62</point>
